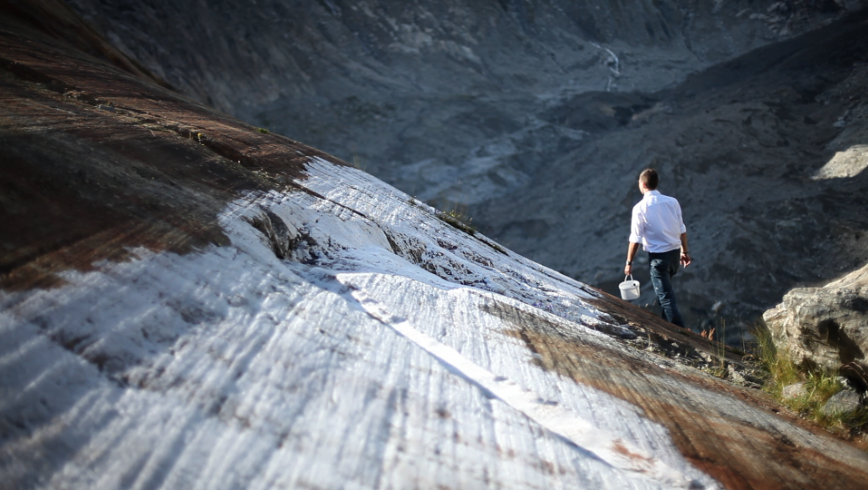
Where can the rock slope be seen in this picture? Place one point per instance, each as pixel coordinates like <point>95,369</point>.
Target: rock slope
<point>188,302</point>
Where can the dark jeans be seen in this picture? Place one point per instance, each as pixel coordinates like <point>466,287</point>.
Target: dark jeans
<point>664,265</point>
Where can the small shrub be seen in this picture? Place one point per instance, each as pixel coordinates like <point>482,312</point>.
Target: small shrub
<point>782,371</point>
<point>719,349</point>
<point>264,131</point>
<point>457,217</point>
<point>457,221</point>
<point>357,165</point>
<point>819,386</point>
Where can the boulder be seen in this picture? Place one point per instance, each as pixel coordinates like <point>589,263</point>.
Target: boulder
<point>842,403</point>
<point>824,327</point>
<point>793,391</point>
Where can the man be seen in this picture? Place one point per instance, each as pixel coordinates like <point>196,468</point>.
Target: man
<point>658,226</point>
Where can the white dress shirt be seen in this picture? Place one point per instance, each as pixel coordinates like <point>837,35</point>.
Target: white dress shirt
<point>657,223</point>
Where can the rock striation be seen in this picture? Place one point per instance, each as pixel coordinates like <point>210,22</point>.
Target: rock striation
<point>187,301</point>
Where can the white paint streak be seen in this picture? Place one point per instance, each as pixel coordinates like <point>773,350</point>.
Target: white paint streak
<point>613,450</point>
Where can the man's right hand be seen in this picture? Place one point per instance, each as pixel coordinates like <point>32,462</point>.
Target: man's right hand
<point>628,270</point>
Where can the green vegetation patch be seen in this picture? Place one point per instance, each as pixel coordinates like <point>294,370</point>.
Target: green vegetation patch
<point>458,220</point>
<point>817,387</point>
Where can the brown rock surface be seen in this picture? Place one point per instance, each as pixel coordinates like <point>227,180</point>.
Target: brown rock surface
<point>95,160</point>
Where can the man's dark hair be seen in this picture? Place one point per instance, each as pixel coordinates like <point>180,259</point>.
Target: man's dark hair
<point>649,178</point>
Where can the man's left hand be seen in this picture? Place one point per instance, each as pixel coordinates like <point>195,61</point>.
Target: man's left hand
<point>685,259</point>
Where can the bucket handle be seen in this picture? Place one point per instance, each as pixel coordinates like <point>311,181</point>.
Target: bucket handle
<point>628,276</point>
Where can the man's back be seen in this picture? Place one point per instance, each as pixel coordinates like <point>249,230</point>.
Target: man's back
<point>657,223</point>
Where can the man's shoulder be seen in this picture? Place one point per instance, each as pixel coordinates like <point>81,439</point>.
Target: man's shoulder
<point>653,199</point>
<point>666,199</point>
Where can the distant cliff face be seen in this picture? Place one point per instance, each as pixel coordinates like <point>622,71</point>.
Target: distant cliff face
<point>535,117</point>
<point>444,97</point>
<point>242,57</point>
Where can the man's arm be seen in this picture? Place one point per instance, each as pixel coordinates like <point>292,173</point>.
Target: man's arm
<point>631,253</point>
<point>685,257</point>
<point>636,233</point>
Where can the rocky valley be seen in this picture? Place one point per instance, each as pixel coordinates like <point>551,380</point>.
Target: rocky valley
<point>534,118</point>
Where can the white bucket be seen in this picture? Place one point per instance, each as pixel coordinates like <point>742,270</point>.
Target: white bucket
<point>629,288</point>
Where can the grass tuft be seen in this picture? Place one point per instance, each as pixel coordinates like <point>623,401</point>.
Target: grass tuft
<point>458,219</point>
<point>780,366</point>
<point>819,387</point>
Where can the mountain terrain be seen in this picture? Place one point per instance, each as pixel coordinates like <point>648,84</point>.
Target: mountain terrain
<point>191,301</point>
<point>533,119</point>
